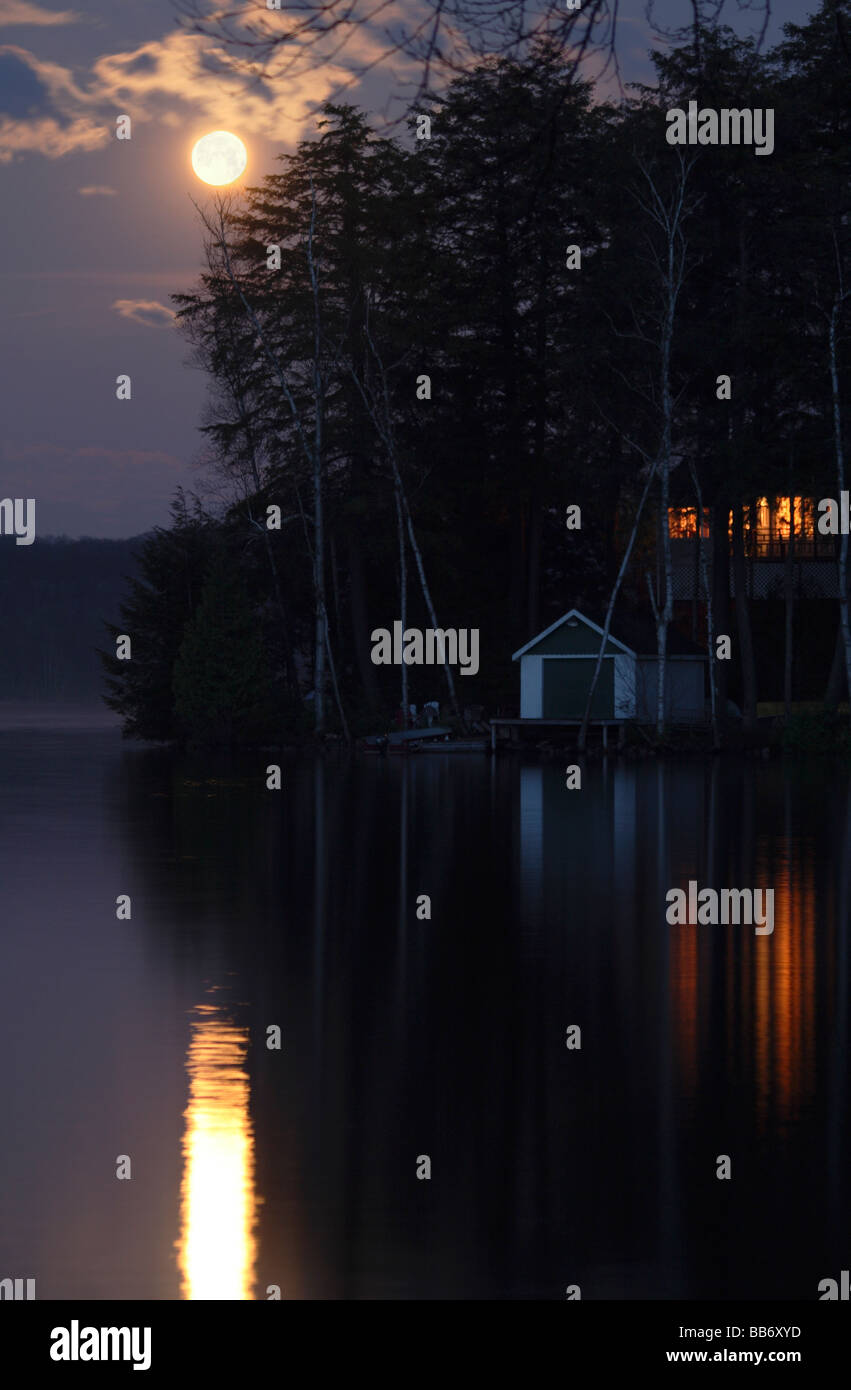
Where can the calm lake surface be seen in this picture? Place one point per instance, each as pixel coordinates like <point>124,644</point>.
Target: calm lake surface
<point>402,1037</point>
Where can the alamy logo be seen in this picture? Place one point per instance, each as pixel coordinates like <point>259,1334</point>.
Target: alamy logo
<point>706,908</point>
<point>725,127</point>
<point>15,521</point>
<point>14,1288</point>
<point>76,1343</point>
<point>436,646</point>
<point>835,517</point>
<point>833,1291</point>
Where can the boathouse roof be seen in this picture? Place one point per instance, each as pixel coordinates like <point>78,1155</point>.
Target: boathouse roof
<point>632,632</point>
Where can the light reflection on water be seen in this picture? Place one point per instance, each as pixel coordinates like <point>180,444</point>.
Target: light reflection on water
<point>217,1248</point>
<point>405,1036</point>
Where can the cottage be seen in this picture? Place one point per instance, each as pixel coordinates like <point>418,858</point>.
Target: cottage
<point>557,666</point>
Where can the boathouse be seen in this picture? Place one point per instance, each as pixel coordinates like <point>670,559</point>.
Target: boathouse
<point>557,666</point>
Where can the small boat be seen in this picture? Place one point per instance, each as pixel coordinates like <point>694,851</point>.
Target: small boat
<point>402,740</point>
<point>383,743</point>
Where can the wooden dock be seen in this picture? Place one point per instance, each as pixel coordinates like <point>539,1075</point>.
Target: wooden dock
<point>514,726</point>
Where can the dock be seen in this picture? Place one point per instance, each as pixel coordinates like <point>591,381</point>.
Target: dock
<point>514,728</point>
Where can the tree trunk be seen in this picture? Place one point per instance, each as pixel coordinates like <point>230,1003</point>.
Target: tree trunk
<point>450,680</point>
<point>697,574</point>
<point>510,434</point>
<point>323,635</point>
<point>533,596</point>
<point>318,519</point>
<point>403,598</point>
<point>289,659</point>
<point>789,596</point>
<point>719,536</point>
<point>845,623</point>
<point>533,581</point>
<point>335,582</point>
<point>381,417</point>
<point>319,607</point>
<point>710,612</point>
<point>665,610</point>
<point>743,622</point>
<point>360,622</point>
<point>583,728</point>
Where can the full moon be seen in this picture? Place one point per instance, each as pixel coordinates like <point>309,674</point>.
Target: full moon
<point>219,157</point>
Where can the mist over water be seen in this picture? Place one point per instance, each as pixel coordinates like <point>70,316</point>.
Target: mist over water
<point>55,715</point>
<point>403,1037</point>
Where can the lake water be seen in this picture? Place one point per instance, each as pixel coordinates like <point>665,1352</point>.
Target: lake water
<point>297,1168</point>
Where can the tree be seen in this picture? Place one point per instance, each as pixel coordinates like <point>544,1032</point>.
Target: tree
<point>432,41</point>
<point>364,262</point>
<point>666,212</point>
<point>222,689</point>
<point>507,182</point>
<point>436,41</point>
<point>650,256</point>
<point>323,225</point>
<point>224,347</point>
<point>172,562</point>
<point>815,58</point>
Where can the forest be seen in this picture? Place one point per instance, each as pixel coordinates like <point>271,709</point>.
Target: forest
<point>424,347</point>
<point>55,596</point>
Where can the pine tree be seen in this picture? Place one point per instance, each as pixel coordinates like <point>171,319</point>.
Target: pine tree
<point>172,563</point>
<point>222,687</point>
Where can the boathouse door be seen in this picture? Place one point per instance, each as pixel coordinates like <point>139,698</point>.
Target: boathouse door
<point>566,682</point>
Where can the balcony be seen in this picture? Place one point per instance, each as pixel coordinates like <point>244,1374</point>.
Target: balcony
<point>771,525</point>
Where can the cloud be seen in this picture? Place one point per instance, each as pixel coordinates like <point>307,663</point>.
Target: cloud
<point>97,190</point>
<point>184,81</point>
<point>65,124</point>
<point>63,91</point>
<point>183,70</point>
<point>147,311</point>
<point>21,12</point>
<point>48,136</point>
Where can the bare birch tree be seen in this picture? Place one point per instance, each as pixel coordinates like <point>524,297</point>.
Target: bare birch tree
<point>218,230</point>
<point>665,213</point>
<point>610,607</point>
<point>403,595</point>
<point>710,610</point>
<point>375,394</point>
<point>833,325</point>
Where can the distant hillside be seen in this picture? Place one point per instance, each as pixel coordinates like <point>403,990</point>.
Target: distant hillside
<point>54,598</point>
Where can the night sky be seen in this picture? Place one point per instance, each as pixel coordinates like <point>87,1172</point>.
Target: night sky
<point>97,233</point>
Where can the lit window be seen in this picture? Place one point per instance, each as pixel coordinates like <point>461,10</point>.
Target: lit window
<point>682,523</point>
